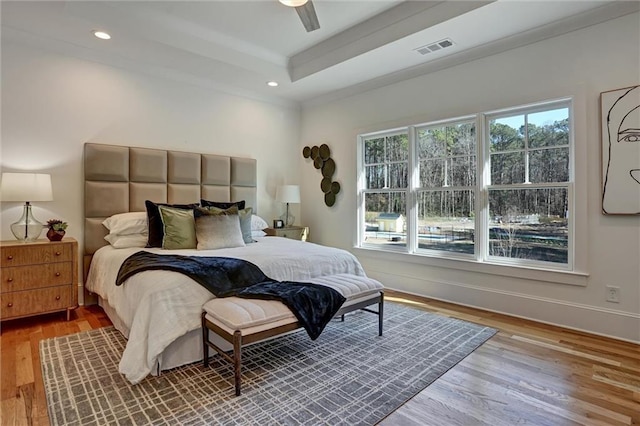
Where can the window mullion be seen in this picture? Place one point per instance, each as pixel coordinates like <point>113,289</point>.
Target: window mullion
<point>526,149</point>
<point>411,198</point>
<point>483,179</point>
<point>386,162</point>
<point>446,157</point>
<point>361,187</point>
<point>571,227</point>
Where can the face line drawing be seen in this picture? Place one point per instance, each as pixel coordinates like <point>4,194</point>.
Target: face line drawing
<point>626,135</point>
<point>623,132</point>
<point>629,130</point>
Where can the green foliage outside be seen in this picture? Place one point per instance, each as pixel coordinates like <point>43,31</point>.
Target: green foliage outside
<point>447,178</point>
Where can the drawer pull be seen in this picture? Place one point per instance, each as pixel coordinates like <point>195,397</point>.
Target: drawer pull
<point>10,280</point>
<point>58,253</point>
<point>57,297</point>
<point>9,305</point>
<point>10,257</point>
<point>57,274</point>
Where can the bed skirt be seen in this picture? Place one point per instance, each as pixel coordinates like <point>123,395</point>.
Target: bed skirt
<point>186,349</point>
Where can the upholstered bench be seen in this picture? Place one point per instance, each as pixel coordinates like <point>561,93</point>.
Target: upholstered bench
<point>243,321</point>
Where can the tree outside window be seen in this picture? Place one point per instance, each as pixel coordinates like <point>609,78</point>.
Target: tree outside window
<point>516,211</point>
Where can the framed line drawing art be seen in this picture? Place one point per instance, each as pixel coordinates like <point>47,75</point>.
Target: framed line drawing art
<point>620,127</point>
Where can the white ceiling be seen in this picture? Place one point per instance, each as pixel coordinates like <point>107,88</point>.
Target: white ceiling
<point>237,46</point>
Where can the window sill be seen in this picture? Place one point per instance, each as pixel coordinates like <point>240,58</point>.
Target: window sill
<point>535,274</point>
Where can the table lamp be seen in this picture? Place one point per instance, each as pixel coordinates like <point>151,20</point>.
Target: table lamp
<point>26,187</point>
<point>288,194</point>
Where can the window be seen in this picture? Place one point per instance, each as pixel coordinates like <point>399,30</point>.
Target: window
<point>386,170</point>
<point>446,188</point>
<point>529,186</point>
<point>502,194</point>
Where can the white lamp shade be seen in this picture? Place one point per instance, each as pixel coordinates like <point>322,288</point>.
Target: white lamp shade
<point>293,3</point>
<point>26,187</point>
<point>288,194</point>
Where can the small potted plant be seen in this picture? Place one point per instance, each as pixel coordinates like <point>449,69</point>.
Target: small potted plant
<point>56,229</point>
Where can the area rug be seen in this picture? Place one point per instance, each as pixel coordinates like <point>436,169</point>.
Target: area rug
<point>348,376</point>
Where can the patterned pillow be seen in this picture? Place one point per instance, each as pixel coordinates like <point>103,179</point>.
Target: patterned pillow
<point>179,228</point>
<point>215,230</point>
<point>156,231</point>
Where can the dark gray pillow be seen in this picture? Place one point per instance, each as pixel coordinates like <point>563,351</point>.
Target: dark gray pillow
<point>223,204</point>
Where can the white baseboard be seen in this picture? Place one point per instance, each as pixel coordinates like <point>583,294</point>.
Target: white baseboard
<point>605,322</point>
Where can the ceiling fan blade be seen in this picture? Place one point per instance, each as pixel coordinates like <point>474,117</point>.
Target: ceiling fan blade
<point>307,14</point>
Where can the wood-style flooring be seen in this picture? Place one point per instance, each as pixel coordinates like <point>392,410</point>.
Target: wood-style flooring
<point>528,373</point>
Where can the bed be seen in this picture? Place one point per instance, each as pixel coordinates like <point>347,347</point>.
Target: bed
<point>159,311</point>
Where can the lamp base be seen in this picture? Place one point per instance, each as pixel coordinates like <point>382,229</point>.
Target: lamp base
<point>27,228</point>
<point>287,218</point>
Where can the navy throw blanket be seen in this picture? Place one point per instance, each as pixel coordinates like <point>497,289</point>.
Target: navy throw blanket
<point>313,305</point>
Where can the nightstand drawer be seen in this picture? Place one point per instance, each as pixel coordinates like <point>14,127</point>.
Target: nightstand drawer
<point>17,255</point>
<point>293,232</point>
<point>22,303</point>
<point>36,276</point>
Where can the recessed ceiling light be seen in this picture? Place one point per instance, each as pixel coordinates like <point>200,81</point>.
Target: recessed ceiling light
<point>293,3</point>
<point>272,83</point>
<point>102,35</point>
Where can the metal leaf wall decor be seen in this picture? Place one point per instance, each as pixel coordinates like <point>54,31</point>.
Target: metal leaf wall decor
<point>321,157</point>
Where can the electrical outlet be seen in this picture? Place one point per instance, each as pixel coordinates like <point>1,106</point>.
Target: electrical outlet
<point>613,294</point>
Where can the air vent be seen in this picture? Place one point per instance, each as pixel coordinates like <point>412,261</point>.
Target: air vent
<point>434,47</point>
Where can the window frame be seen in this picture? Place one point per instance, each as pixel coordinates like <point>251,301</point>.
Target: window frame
<point>362,190</point>
<point>417,189</point>
<point>480,190</point>
<point>487,185</point>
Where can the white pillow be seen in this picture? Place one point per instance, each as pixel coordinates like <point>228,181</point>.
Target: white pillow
<point>127,223</point>
<point>258,223</point>
<point>125,241</point>
<point>258,234</point>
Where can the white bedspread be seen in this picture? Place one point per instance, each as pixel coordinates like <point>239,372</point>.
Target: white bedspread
<point>160,306</point>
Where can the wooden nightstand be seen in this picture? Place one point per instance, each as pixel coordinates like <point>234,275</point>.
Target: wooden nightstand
<point>294,232</point>
<point>38,277</point>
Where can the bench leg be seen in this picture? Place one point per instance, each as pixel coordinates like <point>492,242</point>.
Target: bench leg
<point>205,341</point>
<point>380,313</point>
<point>237,359</point>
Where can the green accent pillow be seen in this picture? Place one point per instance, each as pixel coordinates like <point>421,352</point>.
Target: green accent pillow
<point>245,220</point>
<point>179,228</point>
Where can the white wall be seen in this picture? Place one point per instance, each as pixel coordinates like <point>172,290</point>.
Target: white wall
<point>52,104</point>
<point>580,64</point>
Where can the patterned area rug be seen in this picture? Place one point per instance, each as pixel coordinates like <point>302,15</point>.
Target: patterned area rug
<point>347,376</point>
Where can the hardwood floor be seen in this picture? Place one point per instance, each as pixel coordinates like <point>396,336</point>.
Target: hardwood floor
<point>528,373</point>
<point>23,400</point>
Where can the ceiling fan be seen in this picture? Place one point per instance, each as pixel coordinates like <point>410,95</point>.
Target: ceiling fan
<point>306,12</point>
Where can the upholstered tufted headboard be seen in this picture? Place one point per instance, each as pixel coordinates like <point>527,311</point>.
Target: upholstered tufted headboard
<point>119,179</point>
